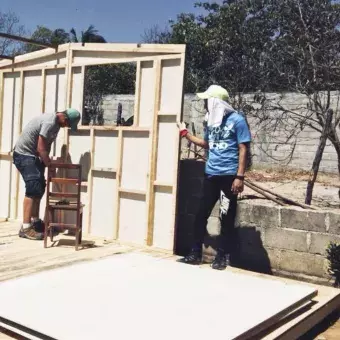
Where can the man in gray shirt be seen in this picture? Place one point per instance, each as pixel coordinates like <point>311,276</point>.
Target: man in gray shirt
<point>31,157</point>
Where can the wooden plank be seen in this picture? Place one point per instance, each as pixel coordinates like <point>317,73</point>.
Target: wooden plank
<point>64,180</point>
<point>113,128</point>
<point>105,169</point>
<point>33,56</point>
<point>34,68</point>
<point>137,94</point>
<point>63,194</point>
<point>118,183</point>
<point>131,191</point>
<point>153,156</point>
<point>131,48</point>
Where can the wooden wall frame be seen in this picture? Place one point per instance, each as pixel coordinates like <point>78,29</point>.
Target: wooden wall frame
<point>130,185</point>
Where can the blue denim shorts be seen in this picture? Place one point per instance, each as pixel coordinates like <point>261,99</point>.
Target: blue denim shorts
<point>32,170</point>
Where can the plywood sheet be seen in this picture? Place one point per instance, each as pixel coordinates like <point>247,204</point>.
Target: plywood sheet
<point>104,202</point>
<point>144,289</point>
<point>79,152</point>
<point>163,237</point>
<point>77,89</point>
<point>167,152</point>
<point>135,161</point>
<point>32,95</point>
<point>132,218</point>
<point>106,149</point>
<point>171,94</point>
<point>55,90</point>
<point>10,110</point>
<point>5,185</point>
<point>147,94</point>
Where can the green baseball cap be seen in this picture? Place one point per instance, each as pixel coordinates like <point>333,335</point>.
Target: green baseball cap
<point>214,91</point>
<point>73,117</point>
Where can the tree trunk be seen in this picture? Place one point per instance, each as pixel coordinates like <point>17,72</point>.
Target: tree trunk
<point>318,157</point>
<point>336,143</point>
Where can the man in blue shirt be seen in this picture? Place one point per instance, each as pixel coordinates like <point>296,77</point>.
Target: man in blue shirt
<point>226,137</point>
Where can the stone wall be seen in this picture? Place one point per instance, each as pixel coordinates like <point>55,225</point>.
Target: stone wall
<point>268,148</point>
<point>270,238</point>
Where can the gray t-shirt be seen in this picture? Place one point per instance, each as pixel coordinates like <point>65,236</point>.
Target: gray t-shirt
<point>45,125</point>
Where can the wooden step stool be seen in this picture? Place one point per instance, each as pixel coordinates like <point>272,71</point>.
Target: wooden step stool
<point>74,199</point>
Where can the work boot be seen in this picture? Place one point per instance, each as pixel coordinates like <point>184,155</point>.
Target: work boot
<point>221,261</point>
<point>39,225</point>
<point>30,233</point>
<point>194,257</point>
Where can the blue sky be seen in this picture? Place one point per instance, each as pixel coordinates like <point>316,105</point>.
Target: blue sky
<point>117,21</point>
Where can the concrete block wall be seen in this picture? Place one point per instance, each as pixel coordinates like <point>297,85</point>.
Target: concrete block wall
<point>268,148</point>
<point>270,238</point>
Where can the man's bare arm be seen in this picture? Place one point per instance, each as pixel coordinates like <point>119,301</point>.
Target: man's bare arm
<point>198,141</point>
<point>242,160</point>
<point>43,151</point>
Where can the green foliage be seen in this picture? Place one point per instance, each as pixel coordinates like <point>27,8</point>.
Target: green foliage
<point>333,257</point>
<point>103,80</point>
<point>266,45</point>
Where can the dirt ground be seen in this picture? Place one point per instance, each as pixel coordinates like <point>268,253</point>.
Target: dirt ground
<point>293,184</point>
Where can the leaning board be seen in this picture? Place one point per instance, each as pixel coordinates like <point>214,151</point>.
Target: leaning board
<point>129,173</point>
<point>136,296</point>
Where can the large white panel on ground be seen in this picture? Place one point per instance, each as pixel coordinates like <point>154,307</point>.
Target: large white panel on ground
<point>104,202</point>
<point>135,163</point>
<point>147,94</point>
<point>162,297</point>
<point>32,96</point>
<point>106,149</point>
<point>132,218</point>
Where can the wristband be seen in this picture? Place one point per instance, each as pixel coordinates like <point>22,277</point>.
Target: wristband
<point>184,133</point>
<point>240,177</point>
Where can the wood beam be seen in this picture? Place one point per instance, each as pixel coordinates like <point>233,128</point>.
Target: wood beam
<point>26,40</point>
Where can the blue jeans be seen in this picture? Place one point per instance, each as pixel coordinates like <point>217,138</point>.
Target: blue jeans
<point>32,171</point>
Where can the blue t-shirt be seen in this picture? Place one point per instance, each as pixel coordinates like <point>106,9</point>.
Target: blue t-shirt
<point>223,144</point>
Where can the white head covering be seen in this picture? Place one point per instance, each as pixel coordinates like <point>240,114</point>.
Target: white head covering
<point>217,109</point>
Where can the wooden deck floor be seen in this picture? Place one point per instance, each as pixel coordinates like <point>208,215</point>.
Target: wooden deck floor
<point>20,257</point>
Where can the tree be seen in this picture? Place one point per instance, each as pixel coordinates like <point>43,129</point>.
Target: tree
<point>303,58</point>
<point>47,36</point>
<point>263,46</point>
<point>10,24</point>
<point>90,35</point>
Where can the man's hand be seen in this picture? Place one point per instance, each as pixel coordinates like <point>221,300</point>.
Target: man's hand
<point>182,129</point>
<point>237,186</point>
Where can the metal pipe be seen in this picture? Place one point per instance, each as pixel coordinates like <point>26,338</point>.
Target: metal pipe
<point>26,40</point>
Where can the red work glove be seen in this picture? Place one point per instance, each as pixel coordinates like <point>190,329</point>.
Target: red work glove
<point>182,129</point>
